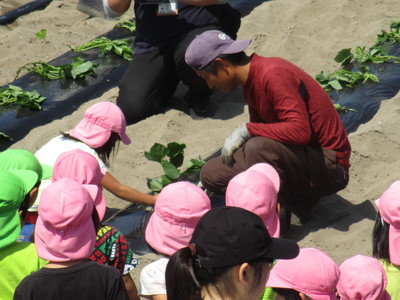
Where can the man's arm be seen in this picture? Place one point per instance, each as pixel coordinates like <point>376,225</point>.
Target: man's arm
<point>286,118</point>
<point>113,8</point>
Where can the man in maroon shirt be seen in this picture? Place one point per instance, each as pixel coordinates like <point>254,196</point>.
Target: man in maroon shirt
<point>293,124</point>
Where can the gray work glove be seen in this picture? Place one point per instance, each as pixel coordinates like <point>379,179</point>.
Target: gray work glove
<point>236,139</point>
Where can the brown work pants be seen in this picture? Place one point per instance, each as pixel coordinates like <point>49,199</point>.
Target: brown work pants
<point>306,172</point>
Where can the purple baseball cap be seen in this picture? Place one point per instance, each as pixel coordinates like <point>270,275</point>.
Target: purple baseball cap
<point>209,45</point>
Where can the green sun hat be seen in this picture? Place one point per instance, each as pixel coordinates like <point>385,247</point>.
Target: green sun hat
<point>14,186</point>
<point>21,159</point>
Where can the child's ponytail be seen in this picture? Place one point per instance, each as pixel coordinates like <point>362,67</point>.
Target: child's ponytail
<point>380,239</point>
<point>180,278</point>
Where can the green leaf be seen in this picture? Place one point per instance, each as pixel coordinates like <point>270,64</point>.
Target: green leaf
<point>15,95</point>
<point>335,84</point>
<point>170,170</point>
<point>165,180</point>
<point>194,165</point>
<point>157,153</point>
<point>120,47</point>
<point>128,25</point>
<point>344,109</point>
<point>41,34</point>
<point>175,152</point>
<point>175,149</point>
<point>344,56</point>
<point>177,160</point>
<point>323,76</point>
<point>155,184</point>
<point>80,68</point>
<point>4,136</point>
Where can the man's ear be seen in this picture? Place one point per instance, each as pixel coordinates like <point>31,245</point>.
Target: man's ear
<point>221,64</point>
<point>32,196</point>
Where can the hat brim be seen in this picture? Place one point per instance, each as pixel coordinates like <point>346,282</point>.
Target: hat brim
<point>100,203</point>
<point>10,227</point>
<point>124,138</point>
<point>273,225</point>
<point>236,47</point>
<point>283,249</point>
<point>47,171</point>
<point>74,244</point>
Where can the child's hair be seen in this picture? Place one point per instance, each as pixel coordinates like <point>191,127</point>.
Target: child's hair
<point>102,127</point>
<point>183,270</point>
<point>105,151</point>
<point>224,237</point>
<point>386,233</point>
<point>287,294</point>
<point>380,239</point>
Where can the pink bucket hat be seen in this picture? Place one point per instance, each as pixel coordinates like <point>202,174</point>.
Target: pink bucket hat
<point>178,209</point>
<point>389,209</point>
<point>362,278</point>
<point>99,121</point>
<point>83,168</point>
<point>256,190</point>
<point>64,230</point>
<point>312,272</point>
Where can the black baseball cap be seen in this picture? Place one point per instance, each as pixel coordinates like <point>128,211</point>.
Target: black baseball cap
<point>230,236</point>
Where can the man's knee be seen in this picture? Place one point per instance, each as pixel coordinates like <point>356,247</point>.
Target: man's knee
<point>261,149</point>
<point>137,105</point>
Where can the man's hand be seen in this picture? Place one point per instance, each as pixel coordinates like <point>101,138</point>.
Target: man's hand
<point>237,138</point>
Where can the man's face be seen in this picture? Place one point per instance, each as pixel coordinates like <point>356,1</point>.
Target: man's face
<point>222,80</point>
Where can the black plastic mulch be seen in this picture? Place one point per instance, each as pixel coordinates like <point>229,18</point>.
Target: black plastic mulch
<point>65,95</point>
<point>24,9</point>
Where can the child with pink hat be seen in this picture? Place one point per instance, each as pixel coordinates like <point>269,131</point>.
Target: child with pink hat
<point>311,274</point>
<point>111,247</point>
<point>256,190</point>
<point>386,237</point>
<point>179,207</point>
<point>99,134</point>
<point>362,278</point>
<point>65,235</point>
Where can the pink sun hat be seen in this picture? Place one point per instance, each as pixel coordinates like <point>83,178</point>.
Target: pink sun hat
<point>362,278</point>
<point>64,230</point>
<point>177,211</point>
<point>256,190</point>
<point>83,168</point>
<point>312,272</point>
<point>99,121</point>
<point>389,208</point>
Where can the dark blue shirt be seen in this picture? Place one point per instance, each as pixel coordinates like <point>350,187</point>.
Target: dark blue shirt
<point>156,32</point>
